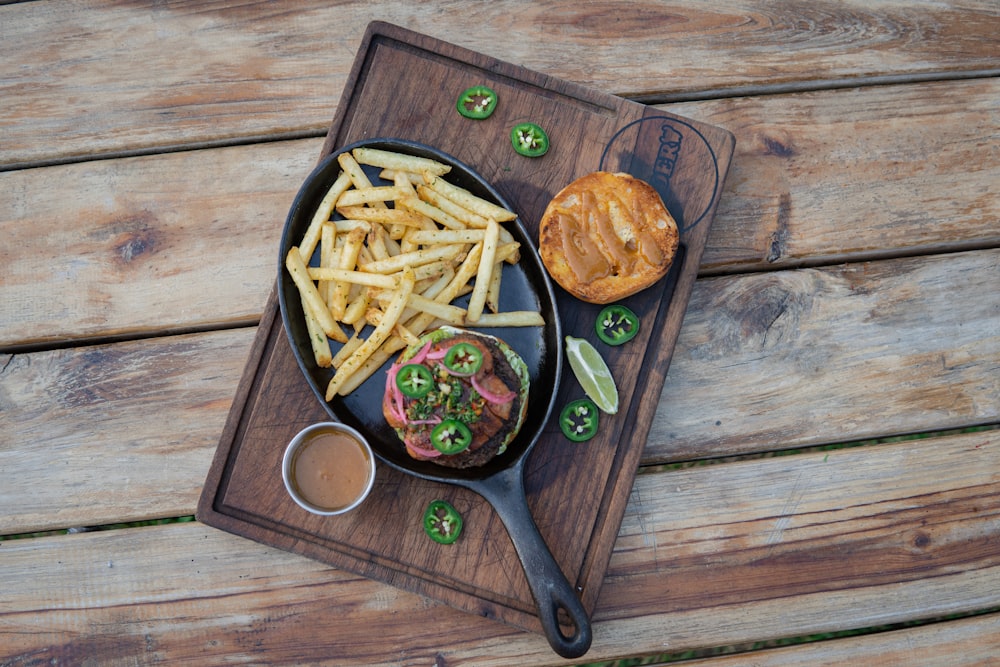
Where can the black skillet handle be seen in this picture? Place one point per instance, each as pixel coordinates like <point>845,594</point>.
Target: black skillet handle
<point>554,595</point>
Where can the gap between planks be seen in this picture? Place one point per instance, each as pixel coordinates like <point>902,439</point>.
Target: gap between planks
<point>110,564</point>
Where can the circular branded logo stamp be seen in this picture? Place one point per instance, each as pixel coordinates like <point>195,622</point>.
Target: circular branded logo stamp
<point>674,157</point>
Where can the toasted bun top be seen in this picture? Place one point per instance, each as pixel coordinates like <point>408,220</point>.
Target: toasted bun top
<point>606,236</point>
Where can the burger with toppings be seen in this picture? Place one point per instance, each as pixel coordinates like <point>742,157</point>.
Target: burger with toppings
<point>457,398</point>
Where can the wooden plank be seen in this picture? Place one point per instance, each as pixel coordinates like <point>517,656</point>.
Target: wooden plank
<point>784,204</point>
<point>94,431</point>
<point>166,243</point>
<point>961,643</point>
<point>847,352</point>
<point>836,176</point>
<point>842,525</point>
<point>724,356</point>
<point>707,556</point>
<point>109,78</point>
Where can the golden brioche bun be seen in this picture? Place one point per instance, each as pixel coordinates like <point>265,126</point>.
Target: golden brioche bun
<point>606,236</point>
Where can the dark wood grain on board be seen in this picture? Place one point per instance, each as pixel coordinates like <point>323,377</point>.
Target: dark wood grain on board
<point>404,85</point>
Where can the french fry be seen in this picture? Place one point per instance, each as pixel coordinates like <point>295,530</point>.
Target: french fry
<point>376,242</point>
<point>365,278</point>
<point>512,318</point>
<point>336,334</point>
<point>506,236</point>
<point>451,214</point>
<point>373,315</point>
<point>436,236</point>
<point>348,260</point>
<point>453,289</point>
<point>493,292</point>
<point>390,347</point>
<point>412,259</point>
<point>318,340</point>
<point>432,269</point>
<point>377,337</point>
<point>365,255</point>
<point>353,343</point>
<point>399,161</point>
<point>322,214</point>
<point>408,336</point>
<point>354,314</point>
<point>418,325</point>
<point>392,245</point>
<point>370,195</point>
<point>418,205</point>
<point>509,252</point>
<point>466,217</point>
<point>357,175</point>
<point>310,295</point>
<point>386,216</point>
<point>401,179</point>
<point>442,311</point>
<point>346,225</point>
<point>406,245</point>
<point>483,273</point>
<point>463,275</point>
<point>392,174</point>
<point>469,201</point>
<point>328,248</point>
<point>397,232</point>
<point>436,287</point>
<point>393,345</point>
<point>353,244</point>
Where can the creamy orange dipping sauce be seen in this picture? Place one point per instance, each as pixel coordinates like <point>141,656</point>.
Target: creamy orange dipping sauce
<point>331,470</point>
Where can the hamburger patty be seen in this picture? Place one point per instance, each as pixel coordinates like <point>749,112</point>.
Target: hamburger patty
<point>493,423</point>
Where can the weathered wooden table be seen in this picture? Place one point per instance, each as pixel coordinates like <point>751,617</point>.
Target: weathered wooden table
<point>848,298</point>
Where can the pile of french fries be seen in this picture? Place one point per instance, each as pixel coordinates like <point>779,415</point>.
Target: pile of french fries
<point>398,260</point>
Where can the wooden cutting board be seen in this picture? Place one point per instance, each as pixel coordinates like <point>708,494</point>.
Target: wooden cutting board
<point>405,85</point>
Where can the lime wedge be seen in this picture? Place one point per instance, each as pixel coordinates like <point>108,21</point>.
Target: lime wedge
<point>593,374</point>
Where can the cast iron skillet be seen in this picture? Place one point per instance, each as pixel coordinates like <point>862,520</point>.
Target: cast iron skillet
<point>500,481</point>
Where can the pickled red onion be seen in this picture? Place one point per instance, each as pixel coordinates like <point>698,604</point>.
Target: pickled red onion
<point>438,354</point>
<point>419,357</point>
<point>429,453</point>
<point>396,404</point>
<point>490,396</point>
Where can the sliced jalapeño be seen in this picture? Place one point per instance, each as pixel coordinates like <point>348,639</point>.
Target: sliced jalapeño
<point>442,522</point>
<point>529,140</point>
<point>414,380</point>
<point>463,359</point>
<point>579,420</point>
<point>477,102</point>
<point>616,324</point>
<point>451,437</point>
